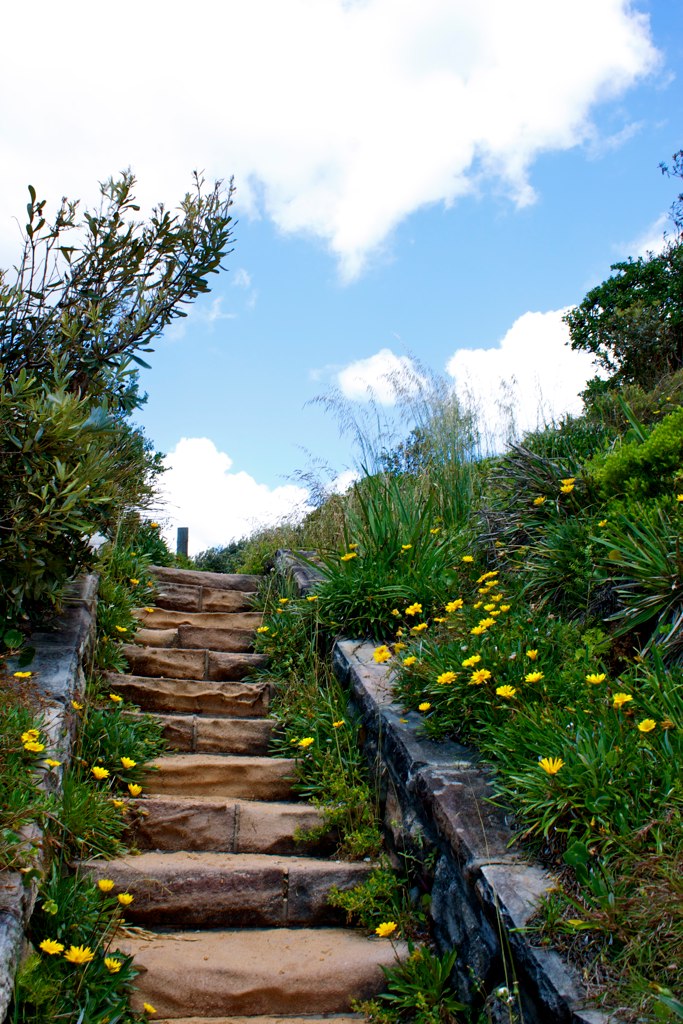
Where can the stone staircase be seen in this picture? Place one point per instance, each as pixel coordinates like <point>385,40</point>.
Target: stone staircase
<point>232,909</point>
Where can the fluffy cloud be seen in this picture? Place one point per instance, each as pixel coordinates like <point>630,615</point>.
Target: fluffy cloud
<point>379,377</point>
<point>530,378</point>
<point>338,117</point>
<point>217,505</point>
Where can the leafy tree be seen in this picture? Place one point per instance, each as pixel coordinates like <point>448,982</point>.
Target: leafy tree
<point>87,296</point>
<point>98,290</point>
<point>633,321</point>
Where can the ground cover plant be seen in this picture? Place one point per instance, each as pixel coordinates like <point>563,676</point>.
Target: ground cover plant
<point>544,626</point>
<point>75,972</point>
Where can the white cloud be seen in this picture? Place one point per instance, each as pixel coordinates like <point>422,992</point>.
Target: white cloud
<point>652,239</point>
<point>216,504</point>
<point>380,377</point>
<point>337,118</point>
<point>532,372</point>
<point>241,278</point>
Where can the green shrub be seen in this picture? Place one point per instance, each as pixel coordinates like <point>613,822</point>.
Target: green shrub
<point>643,468</point>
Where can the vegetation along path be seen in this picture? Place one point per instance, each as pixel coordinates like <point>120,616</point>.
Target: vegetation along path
<point>233,920</point>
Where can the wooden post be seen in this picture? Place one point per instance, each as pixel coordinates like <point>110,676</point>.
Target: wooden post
<point>181,543</point>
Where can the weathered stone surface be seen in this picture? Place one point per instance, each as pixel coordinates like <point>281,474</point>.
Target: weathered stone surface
<point>175,664</point>
<point>255,971</point>
<point>232,736</point>
<point>236,699</point>
<point>270,827</point>
<point>161,618</point>
<point>174,823</point>
<point>226,600</point>
<point>215,580</point>
<point>306,577</point>
<point>253,778</point>
<point>226,890</point>
<point>351,1018</point>
<point>209,638</point>
<point>178,731</point>
<point>157,637</point>
<point>177,595</point>
<point>233,666</point>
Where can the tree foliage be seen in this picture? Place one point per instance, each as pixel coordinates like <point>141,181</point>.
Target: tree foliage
<point>87,296</point>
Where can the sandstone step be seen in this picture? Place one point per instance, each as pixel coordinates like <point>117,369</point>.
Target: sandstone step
<point>197,733</point>
<point>236,699</point>
<point>257,971</point>
<point>252,778</point>
<point>196,638</point>
<point>215,580</point>
<point>224,825</point>
<point>163,618</point>
<point>184,598</point>
<point>176,663</point>
<point>329,1018</point>
<point>228,890</point>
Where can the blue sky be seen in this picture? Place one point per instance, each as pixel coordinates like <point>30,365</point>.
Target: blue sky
<point>414,181</point>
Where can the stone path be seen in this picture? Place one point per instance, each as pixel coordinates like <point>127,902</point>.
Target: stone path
<point>234,908</point>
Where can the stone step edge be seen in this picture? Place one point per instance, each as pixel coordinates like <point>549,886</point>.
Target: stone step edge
<point>334,1018</point>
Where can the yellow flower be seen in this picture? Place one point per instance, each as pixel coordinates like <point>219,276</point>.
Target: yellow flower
<point>154,526</point>
<point>567,488</point>
<point>473,660</point>
<point>414,609</point>
<point>409,661</point>
<point>478,630</point>
<point>51,947</point>
<point>551,765</point>
<point>51,763</point>
<point>506,691</point>
<point>478,604</point>
<point>381,654</point>
<point>679,497</point>
<point>125,899</point>
<point>105,884</point>
<point>283,600</point>
<point>419,628</point>
<point>262,629</point>
<point>532,654</point>
<point>128,762</point>
<point>568,480</point>
<point>487,575</point>
<point>33,747</point>
<point>595,678</point>
<point>385,929</point>
<point>489,607</point>
<point>306,742</point>
<point>505,607</point>
<point>112,964</point>
<point>120,629</point>
<point>467,558</point>
<point>647,725</point>
<point>446,677</point>
<point>487,622</point>
<point>479,677</point>
<point>22,675</point>
<point>399,647</point>
<point>115,697</point>
<point>100,773</point>
<point>280,611</point>
<point>435,530</point>
<point>619,699</point>
<point>348,556</point>
<point>454,606</point>
<point>312,597</point>
<point>79,955</point>
<point>118,804</point>
<point>540,500</point>
<point>29,735</point>
<point>533,677</point>
<point>499,544</point>
<point>424,706</point>
<point>134,789</point>
<point>148,1008</point>
<point>76,706</point>
<point>396,613</point>
<point>133,581</point>
<point>406,547</point>
<point>353,546</point>
<point>338,725</point>
<point>496,597</point>
<point>438,619</point>
<point>148,610</point>
<point>603,522</point>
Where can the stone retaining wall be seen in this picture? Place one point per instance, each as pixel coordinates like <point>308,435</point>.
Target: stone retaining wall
<point>62,659</point>
<point>435,800</point>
